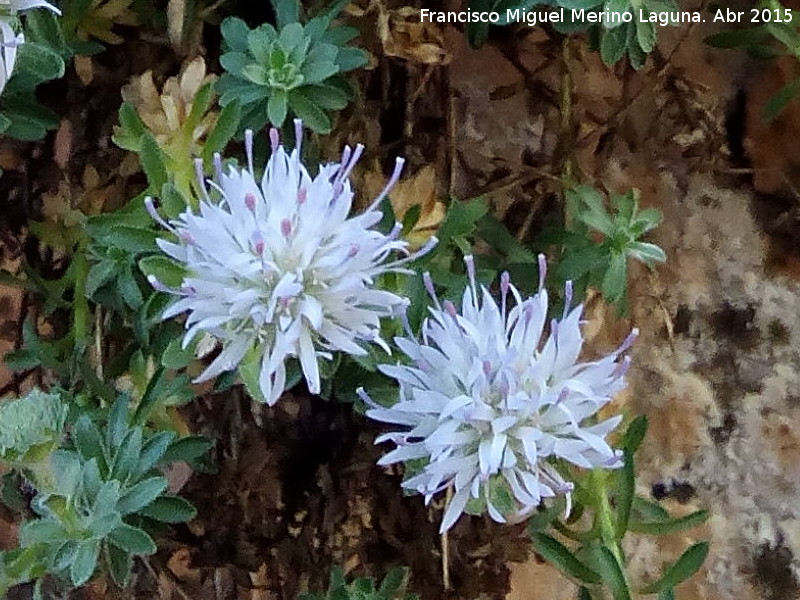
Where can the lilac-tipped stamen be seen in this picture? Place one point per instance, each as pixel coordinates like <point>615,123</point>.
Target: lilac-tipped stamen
<point>398,169</point>
<point>217,166</point>
<point>505,283</point>
<point>542,270</point>
<point>250,202</point>
<point>274,138</point>
<point>248,149</point>
<point>201,178</point>
<point>286,228</point>
<point>298,135</point>
<point>469,261</point>
<point>628,341</point>
<point>352,162</point>
<point>366,399</point>
<point>151,210</point>
<point>428,282</point>
<point>567,298</point>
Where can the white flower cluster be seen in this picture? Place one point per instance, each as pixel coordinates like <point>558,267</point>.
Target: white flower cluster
<point>279,269</point>
<point>10,41</point>
<point>490,400</point>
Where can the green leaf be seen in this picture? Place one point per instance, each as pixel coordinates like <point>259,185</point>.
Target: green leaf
<point>120,564</point>
<point>235,63</point>
<point>647,253</point>
<point>153,162</point>
<point>317,72</point>
<point>200,105</point>
<point>224,130</point>
<point>349,59</point>
<point>40,531</point>
<point>132,540</point>
<point>235,32</point>
<point>152,451</point>
<point>686,566</point>
<point>39,62</point>
<point>616,7</point>
<point>625,492</point>
<point>250,371</point>
<point>776,103</point>
<point>169,509</point>
<point>313,116</point>
<point>186,449</point>
<point>286,12</point>
<point>394,581</point>
<point>646,35</point>
<point>669,526</point>
<point>117,425</point>
<point>85,561</point>
<point>89,442</point>
<point>132,128</point>
<point>141,494</point>
<point>634,434</point>
<point>612,574</point>
<point>615,280</point>
<point>277,107</point>
<point>127,456</point>
<point>734,38</point>
<point>613,44</point>
<point>164,269</point>
<point>560,556</point>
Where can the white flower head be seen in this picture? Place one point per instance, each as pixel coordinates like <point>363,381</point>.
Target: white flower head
<point>10,40</point>
<point>278,268</point>
<point>490,400</point>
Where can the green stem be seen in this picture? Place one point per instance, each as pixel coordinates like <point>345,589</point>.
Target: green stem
<point>80,324</point>
<point>604,515</point>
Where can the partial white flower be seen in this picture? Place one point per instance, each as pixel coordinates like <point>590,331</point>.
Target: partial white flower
<point>278,269</point>
<point>490,400</point>
<point>10,41</point>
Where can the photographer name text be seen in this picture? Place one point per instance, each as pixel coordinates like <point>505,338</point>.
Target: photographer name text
<point>582,15</point>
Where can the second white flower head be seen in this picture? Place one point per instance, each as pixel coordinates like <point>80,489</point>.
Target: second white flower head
<point>489,401</point>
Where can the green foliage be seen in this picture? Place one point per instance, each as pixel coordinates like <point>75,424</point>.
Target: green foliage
<point>393,587</point>
<point>592,556</point>
<point>98,496</point>
<point>294,70</point>
<point>31,425</point>
<point>778,36</point>
<point>603,262</point>
<point>40,59</point>
<point>618,28</point>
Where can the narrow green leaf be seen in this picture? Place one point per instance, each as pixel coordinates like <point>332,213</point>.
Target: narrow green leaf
<point>132,540</point>
<point>615,280</point>
<point>141,494</point>
<point>776,103</point>
<point>560,556</point>
<point>85,561</point>
<point>120,564</point>
<point>224,130</point>
<point>613,43</point>
<point>277,107</point>
<point>89,442</point>
<point>186,449</point>
<point>612,574</point>
<point>686,566</point>
<point>169,509</point>
<point>153,162</point>
<point>200,105</point>
<point>671,526</point>
<point>634,434</point>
